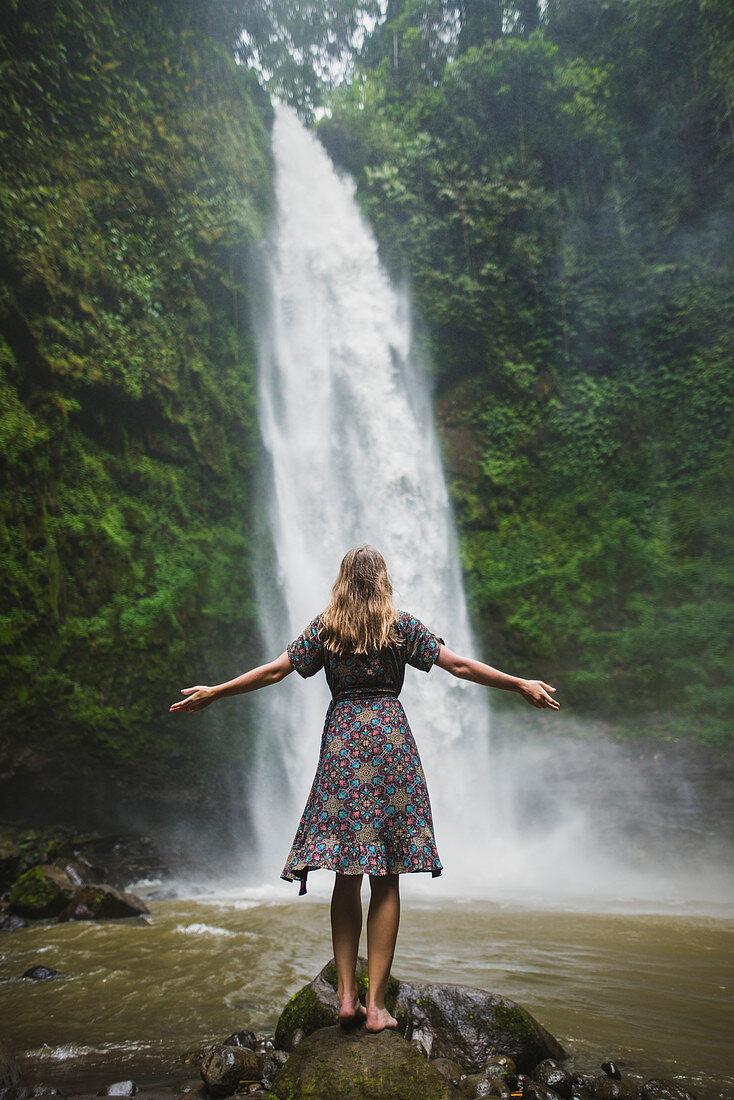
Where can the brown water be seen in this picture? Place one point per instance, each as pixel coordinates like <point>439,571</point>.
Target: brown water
<point>649,991</point>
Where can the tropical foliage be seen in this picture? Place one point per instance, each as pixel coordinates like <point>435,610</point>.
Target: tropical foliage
<point>559,190</point>
<point>556,182</point>
<point>135,174</point>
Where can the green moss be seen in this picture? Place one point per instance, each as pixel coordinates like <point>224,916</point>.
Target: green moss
<point>581,334</point>
<point>136,176</point>
<point>515,1021</point>
<point>305,1011</point>
<point>33,891</point>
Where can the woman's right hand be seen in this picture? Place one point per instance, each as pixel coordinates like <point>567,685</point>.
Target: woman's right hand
<point>198,698</point>
<point>535,692</point>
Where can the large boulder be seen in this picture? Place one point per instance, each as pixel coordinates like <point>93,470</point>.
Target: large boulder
<point>41,891</point>
<point>458,1022</point>
<point>316,1005</point>
<point>98,900</point>
<point>338,1064</point>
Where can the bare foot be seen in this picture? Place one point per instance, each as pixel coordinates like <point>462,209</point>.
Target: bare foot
<point>351,1011</point>
<point>379,1018</point>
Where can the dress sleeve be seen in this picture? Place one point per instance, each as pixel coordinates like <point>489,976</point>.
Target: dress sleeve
<point>422,647</point>
<point>306,653</point>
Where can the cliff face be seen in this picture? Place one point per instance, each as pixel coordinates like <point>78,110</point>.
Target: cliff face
<point>135,175</point>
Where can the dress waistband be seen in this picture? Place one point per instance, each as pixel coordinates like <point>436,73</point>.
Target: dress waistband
<point>363,693</point>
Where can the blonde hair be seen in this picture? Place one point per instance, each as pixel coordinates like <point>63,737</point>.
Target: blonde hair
<point>361,614</point>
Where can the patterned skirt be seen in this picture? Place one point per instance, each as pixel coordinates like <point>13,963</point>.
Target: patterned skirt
<point>368,810</point>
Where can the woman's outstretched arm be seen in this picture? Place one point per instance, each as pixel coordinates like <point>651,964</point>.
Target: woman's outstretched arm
<point>200,697</point>
<point>534,692</point>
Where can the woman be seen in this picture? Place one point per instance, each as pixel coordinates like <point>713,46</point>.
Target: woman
<point>368,809</point>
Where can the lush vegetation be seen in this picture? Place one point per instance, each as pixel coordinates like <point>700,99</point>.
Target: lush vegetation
<point>557,184</point>
<point>559,188</point>
<point>135,174</point>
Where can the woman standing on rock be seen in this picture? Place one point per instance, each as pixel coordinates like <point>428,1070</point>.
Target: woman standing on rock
<point>368,810</point>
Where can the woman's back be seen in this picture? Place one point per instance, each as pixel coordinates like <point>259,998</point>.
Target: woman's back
<point>376,672</point>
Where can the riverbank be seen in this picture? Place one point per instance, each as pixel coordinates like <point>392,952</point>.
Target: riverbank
<point>651,992</point>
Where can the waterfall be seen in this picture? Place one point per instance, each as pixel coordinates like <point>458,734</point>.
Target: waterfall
<point>352,457</point>
<point>346,421</point>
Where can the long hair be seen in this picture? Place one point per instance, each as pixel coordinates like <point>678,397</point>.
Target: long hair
<point>361,614</point>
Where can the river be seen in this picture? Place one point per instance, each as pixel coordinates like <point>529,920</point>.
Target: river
<point>652,991</point>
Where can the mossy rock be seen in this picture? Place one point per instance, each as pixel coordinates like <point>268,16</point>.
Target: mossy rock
<point>458,1022</point>
<point>316,1005</point>
<point>471,1025</point>
<point>339,1064</point>
<point>98,901</point>
<point>22,848</point>
<point>225,1070</point>
<point>42,891</point>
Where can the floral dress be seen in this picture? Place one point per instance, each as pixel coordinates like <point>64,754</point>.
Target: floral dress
<point>368,810</point>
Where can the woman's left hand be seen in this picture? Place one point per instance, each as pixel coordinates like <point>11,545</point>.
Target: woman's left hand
<point>198,698</point>
<point>535,692</point>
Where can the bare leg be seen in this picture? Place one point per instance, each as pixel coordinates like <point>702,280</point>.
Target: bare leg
<point>383,919</point>
<point>346,926</point>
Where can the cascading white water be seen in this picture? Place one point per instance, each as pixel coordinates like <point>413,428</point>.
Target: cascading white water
<point>346,419</point>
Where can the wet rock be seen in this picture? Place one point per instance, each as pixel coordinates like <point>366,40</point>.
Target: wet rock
<point>270,1067</point>
<point>335,1063</point>
<point>40,973</point>
<point>242,1038</point>
<point>16,1092</point>
<point>461,1023</point>
<point>46,1090</point>
<point>10,921</point>
<point>226,1069</point>
<point>607,1088</point>
<point>81,871</point>
<point>447,1068</point>
<point>612,1070</point>
<point>122,858</point>
<point>281,1057</point>
<point>119,1088</point>
<point>9,1068</point>
<point>471,1025</point>
<point>473,1085</point>
<point>99,901</point>
<point>500,1088</point>
<point>477,1085</point>
<point>316,1005</point>
<point>41,892</point>
<point>554,1077</point>
<point>582,1087</point>
<point>662,1088</point>
<point>503,1070</point>
<point>194,1055</point>
<point>502,1064</point>
<point>532,1090</point>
